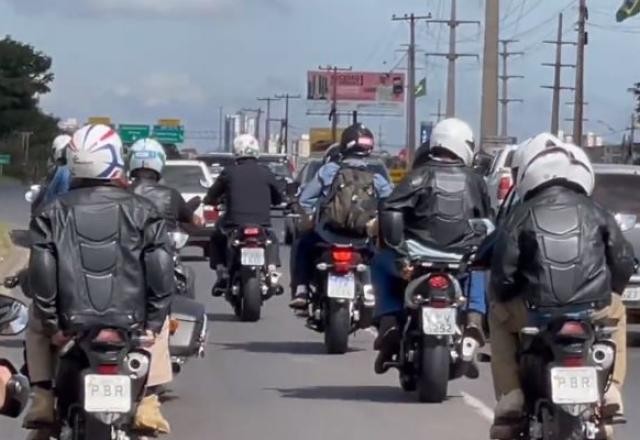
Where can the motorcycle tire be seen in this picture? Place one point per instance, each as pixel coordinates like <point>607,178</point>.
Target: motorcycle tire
<point>433,381</point>
<point>337,327</point>
<point>191,282</point>
<point>561,426</point>
<point>251,299</point>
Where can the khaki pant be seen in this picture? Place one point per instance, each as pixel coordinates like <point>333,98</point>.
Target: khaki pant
<point>40,354</point>
<point>507,319</point>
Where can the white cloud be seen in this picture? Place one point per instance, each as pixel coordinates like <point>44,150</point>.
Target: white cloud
<point>163,89</point>
<point>144,8</point>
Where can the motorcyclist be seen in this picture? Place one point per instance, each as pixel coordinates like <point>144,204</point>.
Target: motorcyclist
<point>356,144</point>
<point>123,231</point>
<point>146,163</point>
<point>558,229</point>
<point>249,190</point>
<point>59,178</point>
<point>436,201</point>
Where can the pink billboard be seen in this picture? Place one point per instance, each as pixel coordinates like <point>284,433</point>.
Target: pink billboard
<point>371,87</point>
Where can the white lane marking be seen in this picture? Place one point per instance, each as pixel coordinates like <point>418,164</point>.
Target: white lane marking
<point>478,406</point>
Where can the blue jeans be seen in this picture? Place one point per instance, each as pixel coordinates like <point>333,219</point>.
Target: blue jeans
<point>302,258</point>
<point>389,301</point>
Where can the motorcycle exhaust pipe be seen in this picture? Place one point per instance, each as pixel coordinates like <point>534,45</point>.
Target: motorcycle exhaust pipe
<point>603,355</point>
<point>137,364</point>
<point>369,297</point>
<point>469,348</point>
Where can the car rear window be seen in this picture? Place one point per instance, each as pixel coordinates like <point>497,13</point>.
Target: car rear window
<point>615,192</point>
<point>184,178</point>
<point>509,159</point>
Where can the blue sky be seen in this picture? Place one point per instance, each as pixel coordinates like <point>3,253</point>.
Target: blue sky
<point>139,60</point>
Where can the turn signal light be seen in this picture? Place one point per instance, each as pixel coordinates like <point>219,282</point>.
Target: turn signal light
<point>174,324</point>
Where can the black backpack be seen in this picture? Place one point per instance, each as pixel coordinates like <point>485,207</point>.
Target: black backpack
<point>351,203</point>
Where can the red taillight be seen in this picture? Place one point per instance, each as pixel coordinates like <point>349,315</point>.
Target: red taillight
<point>342,259</point>
<point>439,282</point>
<point>572,328</point>
<point>439,303</point>
<point>503,187</point>
<point>108,336</point>
<point>251,232</point>
<point>107,369</point>
<point>573,361</point>
<point>210,214</point>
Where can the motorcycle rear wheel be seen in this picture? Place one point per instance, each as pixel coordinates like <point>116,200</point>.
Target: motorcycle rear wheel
<point>251,300</point>
<point>337,327</point>
<point>433,381</point>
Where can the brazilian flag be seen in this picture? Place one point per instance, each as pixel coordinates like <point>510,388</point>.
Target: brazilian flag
<point>628,9</point>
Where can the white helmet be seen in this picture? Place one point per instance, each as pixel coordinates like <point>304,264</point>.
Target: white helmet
<point>545,158</point>
<point>59,146</point>
<point>147,154</point>
<point>246,145</point>
<point>455,136</point>
<point>95,152</point>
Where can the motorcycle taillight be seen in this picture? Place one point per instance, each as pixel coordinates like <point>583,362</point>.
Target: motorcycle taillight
<point>109,336</point>
<point>572,329</point>
<point>108,369</point>
<point>210,214</point>
<point>439,282</point>
<point>251,232</point>
<point>342,259</point>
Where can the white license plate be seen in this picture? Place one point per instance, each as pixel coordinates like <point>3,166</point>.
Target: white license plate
<point>631,294</point>
<point>341,286</point>
<point>107,394</point>
<point>439,322</point>
<point>252,256</point>
<point>570,386</point>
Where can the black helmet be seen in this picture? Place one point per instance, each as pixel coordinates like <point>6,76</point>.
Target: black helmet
<point>357,140</point>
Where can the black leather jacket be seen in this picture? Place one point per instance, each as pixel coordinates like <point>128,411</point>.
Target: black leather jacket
<point>437,201</point>
<point>168,201</point>
<point>560,250</point>
<point>100,255</point>
<point>249,190</point>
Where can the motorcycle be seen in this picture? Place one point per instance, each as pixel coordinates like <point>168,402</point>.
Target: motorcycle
<point>100,379</point>
<point>566,365</point>
<point>188,322</point>
<point>434,347</point>
<point>250,282</point>
<point>341,298</point>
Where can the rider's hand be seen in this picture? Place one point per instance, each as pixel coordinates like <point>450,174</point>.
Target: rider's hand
<point>59,339</point>
<point>372,228</point>
<point>198,220</point>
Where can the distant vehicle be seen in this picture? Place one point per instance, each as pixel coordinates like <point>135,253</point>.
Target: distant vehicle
<point>192,178</point>
<point>217,162</point>
<point>614,192</point>
<point>499,180</point>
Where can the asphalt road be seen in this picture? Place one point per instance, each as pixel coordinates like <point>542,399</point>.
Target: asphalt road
<point>271,380</point>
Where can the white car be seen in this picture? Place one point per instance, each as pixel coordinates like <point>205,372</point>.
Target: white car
<point>192,178</point>
<point>499,180</point>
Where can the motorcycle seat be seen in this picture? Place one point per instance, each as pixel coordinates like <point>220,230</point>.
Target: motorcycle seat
<point>421,252</point>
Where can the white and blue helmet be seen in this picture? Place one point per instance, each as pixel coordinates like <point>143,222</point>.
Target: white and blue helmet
<point>95,152</point>
<point>147,154</point>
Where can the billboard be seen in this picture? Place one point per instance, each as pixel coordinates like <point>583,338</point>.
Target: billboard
<point>374,91</point>
<point>320,139</point>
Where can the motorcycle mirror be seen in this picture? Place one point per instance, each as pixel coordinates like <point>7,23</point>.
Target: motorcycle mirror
<point>14,316</point>
<point>392,228</point>
<point>482,226</point>
<point>28,196</point>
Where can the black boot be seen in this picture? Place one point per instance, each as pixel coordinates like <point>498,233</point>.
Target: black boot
<point>387,343</point>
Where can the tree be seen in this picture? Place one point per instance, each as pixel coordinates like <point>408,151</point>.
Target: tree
<point>24,76</point>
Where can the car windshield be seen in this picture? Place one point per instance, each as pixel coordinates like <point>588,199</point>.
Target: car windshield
<point>184,178</point>
<point>612,192</point>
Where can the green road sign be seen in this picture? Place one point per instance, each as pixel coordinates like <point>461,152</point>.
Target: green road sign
<point>168,135</point>
<point>131,133</point>
<point>5,159</point>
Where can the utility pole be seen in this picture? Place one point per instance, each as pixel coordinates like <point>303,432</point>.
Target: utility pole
<point>411,81</point>
<point>557,77</point>
<point>286,98</point>
<point>579,97</point>
<point>489,118</point>
<point>505,77</point>
<point>452,56</point>
<point>267,123</point>
<point>635,117</point>
<point>439,115</point>
<point>220,128</point>
<point>333,114</point>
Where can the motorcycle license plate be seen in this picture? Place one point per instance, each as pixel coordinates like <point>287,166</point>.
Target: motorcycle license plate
<point>439,322</point>
<point>252,256</point>
<point>631,294</point>
<point>107,394</point>
<point>343,287</point>
<point>570,386</point>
